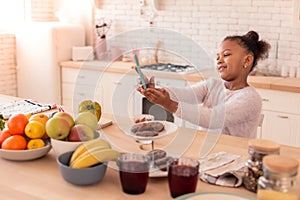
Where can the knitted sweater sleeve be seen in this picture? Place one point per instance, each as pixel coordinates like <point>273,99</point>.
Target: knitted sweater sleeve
<point>212,107</point>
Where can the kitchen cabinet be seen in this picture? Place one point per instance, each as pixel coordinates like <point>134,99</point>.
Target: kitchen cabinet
<point>78,85</point>
<point>281,116</point>
<point>117,93</point>
<point>113,91</point>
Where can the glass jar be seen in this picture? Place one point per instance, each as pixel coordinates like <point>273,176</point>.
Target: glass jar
<point>279,178</point>
<point>257,149</point>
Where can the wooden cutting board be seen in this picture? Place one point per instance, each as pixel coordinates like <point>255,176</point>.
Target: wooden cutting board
<point>104,122</point>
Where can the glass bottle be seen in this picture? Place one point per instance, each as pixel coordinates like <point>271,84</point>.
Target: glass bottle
<point>279,178</point>
<point>257,149</point>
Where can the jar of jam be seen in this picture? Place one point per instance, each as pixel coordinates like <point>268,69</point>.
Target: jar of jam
<point>257,149</point>
<point>279,178</point>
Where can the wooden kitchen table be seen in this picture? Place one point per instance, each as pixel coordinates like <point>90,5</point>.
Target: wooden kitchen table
<point>41,179</point>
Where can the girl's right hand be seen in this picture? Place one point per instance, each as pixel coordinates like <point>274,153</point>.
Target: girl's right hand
<point>149,83</point>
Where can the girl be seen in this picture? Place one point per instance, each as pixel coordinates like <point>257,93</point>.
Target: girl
<point>227,105</point>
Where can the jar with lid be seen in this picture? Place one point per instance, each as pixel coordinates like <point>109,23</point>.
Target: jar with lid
<point>279,178</point>
<point>257,149</point>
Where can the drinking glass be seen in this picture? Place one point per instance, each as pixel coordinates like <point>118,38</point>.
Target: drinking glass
<point>134,172</point>
<point>183,176</point>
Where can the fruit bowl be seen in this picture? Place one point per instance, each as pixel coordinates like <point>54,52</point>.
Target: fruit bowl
<point>80,176</point>
<point>25,155</point>
<point>61,146</point>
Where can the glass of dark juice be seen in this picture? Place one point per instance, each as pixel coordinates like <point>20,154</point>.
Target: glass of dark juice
<point>183,176</point>
<point>134,172</point>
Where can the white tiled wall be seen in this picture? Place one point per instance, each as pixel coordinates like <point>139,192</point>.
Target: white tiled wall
<point>8,71</point>
<point>207,22</point>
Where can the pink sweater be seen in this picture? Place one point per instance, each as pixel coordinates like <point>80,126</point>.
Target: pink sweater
<point>211,106</point>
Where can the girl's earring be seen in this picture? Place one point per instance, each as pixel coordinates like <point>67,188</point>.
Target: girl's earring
<point>245,66</point>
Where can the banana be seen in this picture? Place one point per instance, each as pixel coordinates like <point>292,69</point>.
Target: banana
<point>86,146</point>
<point>95,156</point>
<point>87,152</point>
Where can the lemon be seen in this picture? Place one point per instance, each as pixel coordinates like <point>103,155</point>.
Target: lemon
<point>34,129</point>
<point>35,143</point>
<point>40,117</point>
<point>28,115</point>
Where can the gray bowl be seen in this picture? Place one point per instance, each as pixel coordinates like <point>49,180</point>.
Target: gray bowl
<point>82,176</point>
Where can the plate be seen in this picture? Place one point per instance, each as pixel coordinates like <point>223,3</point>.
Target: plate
<point>24,155</point>
<point>169,129</point>
<point>213,196</point>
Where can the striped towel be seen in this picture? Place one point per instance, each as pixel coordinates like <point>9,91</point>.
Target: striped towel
<point>222,168</point>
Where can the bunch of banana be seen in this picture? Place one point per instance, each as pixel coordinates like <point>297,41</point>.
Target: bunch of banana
<point>92,152</point>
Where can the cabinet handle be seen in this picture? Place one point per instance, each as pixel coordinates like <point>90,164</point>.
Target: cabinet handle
<point>81,94</point>
<point>81,76</point>
<point>283,117</point>
<point>264,99</point>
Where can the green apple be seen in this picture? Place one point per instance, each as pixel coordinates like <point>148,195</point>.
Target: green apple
<point>66,116</point>
<point>88,119</point>
<point>80,132</point>
<point>57,128</point>
<point>90,106</point>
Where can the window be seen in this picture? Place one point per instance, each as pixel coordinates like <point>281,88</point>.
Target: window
<point>13,12</point>
<point>296,13</point>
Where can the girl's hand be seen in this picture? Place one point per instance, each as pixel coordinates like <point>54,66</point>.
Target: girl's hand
<point>149,83</point>
<point>161,97</point>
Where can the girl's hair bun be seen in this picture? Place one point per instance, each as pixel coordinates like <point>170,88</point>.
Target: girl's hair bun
<point>252,35</point>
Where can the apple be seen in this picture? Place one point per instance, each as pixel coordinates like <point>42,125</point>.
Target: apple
<point>57,128</point>
<point>66,116</point>
<point>88,119</point>
<point>90,106</point>
<point>80,132</point>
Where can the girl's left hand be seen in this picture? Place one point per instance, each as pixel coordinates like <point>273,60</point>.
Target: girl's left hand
<point>157,95</point>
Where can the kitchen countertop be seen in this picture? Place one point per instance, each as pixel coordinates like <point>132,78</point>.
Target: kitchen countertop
<point>40,179</point>
<point>265,82</point>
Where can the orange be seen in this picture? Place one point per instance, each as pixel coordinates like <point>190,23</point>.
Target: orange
<point>3,135</point>
<point>34,130</point>
<point>43,118</point>
<point>35,143</point>
<point>14,142</point>
<point>16,124</point>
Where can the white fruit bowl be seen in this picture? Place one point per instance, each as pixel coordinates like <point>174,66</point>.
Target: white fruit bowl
<point>60,146</point>
<point>25,155</point>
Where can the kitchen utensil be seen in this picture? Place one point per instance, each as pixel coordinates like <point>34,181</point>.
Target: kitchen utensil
<point>103,27</point>
<point>158,46</point>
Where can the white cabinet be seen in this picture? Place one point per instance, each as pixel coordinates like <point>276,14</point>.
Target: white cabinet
<point>112,90</point>
<point>281,116</point>
<point>117,92</point>
<point>78,85</point>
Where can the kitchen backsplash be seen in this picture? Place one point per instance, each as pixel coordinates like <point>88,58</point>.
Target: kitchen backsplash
<point>207,22</point>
